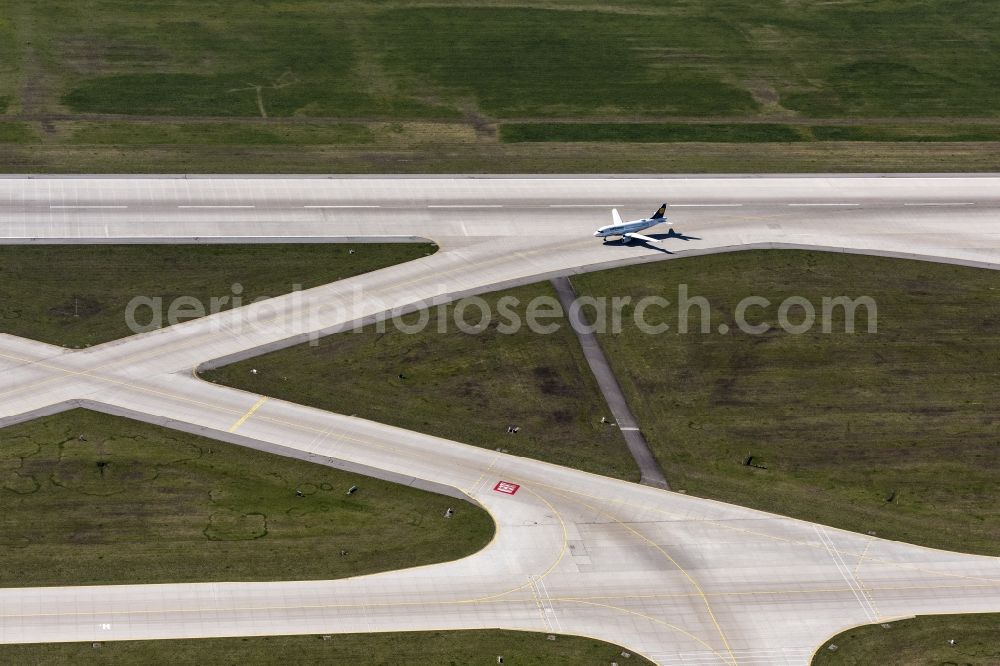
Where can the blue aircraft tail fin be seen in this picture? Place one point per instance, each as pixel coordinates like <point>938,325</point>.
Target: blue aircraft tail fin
<point>659,212</point>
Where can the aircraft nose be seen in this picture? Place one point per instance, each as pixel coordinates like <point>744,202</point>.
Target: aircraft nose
<point>597,233</point>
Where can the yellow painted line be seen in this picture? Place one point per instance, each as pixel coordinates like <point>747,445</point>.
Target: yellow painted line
<point>694,583</point>
<point>243,419</point>
<point>475,486</point>
<point>718,523</point>
<point>644,616</point>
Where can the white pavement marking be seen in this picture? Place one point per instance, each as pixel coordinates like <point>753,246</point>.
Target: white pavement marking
<point>593,546</point>
<point>216,206</point>
<point>845,572</point>
<point>705,205</point>
<point>939,204</point>
<point>54,207</point>
<point>824,204</point>
<point>342,206</point>
<point>465,205</point>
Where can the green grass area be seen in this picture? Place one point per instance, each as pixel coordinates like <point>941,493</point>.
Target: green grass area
<point>92,499</point>
<point>651,132</point>
<point>950,132</point>
<point>423,153</point>
<point>396,59</point>
<point>441,648</point>
<point>9,66</point>
<point>466,387</point>
<point>893,432</point>
<point>916,642</point>
<point>748,68</point>
<point>74,295</point>
<point>16,133</point>
<point>739,132</point>
<point>517,61</point>
<point>124,133</point>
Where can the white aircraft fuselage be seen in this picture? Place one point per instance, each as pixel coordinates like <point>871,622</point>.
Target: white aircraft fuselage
<point>629,230</point>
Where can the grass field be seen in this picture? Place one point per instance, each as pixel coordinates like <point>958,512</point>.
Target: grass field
<point>74,296</point>
<point>173,81</point>
<point>916,642</point>
<point>428,648</point>
<point>893,432</point>
<point>659,59</point>
<point>466,387</point>
<point>92,499</point>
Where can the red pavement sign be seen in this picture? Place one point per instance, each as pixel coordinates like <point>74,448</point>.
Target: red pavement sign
<point>506,487</point>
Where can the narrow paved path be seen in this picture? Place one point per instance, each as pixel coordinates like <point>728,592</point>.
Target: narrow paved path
<point>649,469</point>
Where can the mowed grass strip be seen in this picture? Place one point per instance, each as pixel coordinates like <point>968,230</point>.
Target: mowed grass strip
<point>17,133</point>
<point>922,133</point>
<point>91,499</point>
<point>413,154</point>
<point>652,132</point>
<point>462,386</point>
<point>893,433</point>
<point>917,641</point>
<point>750,132</point>
<point>78,295</point>
<point>222,133</point>
<point>438,647</point>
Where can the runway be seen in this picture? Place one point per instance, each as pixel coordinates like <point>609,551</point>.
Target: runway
<point>678,579</point>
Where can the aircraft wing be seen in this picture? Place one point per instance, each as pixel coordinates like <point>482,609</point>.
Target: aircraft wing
<point>640,237</point>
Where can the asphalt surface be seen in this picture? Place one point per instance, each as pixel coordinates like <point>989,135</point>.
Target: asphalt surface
<point>679,579</point>
<point>650,473</point>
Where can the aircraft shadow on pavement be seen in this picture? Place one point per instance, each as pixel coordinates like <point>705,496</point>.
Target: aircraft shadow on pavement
<point>675,235</point>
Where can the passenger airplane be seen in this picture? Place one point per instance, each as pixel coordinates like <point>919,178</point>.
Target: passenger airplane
<point>627,230</point>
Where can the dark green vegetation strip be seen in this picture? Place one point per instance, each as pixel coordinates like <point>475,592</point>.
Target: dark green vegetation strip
<point>16,133</point>
<point>92,499</point>
<point>738,132</point>
<point>75,295</point>
<point>543,62</point>
<point>156,70</point>
<point>927,133</point>
<point>434,648</point>
<point>466,387</point>
<point>651,132</point>
<point>916,642</point>
<point>893,433</point>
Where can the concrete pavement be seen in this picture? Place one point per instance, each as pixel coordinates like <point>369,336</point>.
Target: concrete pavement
<point>676,578</point>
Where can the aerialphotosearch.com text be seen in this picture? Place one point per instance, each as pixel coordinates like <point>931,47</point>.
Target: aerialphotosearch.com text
<point>653,315</point>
